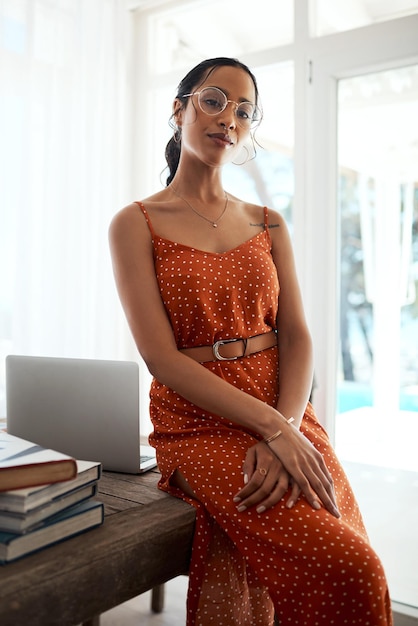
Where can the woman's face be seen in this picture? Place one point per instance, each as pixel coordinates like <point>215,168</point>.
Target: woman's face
<point>216,139</point>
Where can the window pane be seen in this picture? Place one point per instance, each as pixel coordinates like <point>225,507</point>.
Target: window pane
<point>377,421</point>
<point>333,16</point>
<point>184,36</point>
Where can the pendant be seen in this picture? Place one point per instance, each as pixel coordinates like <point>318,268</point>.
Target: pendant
<point>215,225</point>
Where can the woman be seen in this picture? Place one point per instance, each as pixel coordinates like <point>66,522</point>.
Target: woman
<point>199,273</point>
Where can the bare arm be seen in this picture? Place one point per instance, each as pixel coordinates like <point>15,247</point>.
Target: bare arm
<point>297,457</point>
<point>295,345</point>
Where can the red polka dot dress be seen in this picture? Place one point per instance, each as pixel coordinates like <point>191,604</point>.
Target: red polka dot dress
<point>305,566</point>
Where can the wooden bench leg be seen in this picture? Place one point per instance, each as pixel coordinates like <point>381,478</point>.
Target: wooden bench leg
<point>157,599</point>
<point>94,621</point>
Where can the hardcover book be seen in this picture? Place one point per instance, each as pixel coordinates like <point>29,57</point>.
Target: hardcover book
<point>25,500</point>
<point>25,464</point>
<point>25,522</point>
<point>68,523</point>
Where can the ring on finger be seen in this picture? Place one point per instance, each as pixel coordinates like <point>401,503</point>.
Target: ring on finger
<point>262,471</point>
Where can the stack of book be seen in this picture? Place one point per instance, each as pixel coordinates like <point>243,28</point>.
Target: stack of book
<point>45,497</point>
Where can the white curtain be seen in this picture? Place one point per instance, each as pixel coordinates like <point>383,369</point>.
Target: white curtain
<point>64,171</point>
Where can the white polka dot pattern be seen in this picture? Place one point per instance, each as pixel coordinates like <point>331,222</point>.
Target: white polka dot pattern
<point>314,569</point>
<point>199,289</point>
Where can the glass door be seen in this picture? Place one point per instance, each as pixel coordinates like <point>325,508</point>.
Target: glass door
<point>376,426</point>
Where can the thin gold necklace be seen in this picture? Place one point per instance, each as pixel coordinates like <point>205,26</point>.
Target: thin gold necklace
<point>214,223</point>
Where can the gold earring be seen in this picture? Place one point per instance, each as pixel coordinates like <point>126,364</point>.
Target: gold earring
<point>177,134</point>
<point>246,159</point>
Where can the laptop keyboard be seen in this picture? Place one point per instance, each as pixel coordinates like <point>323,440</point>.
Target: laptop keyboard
<point>144,458</point>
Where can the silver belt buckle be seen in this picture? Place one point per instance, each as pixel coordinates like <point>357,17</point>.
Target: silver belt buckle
<point>218,344</point>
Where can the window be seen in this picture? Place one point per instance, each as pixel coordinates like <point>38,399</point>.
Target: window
<point>63,174</point>
<point>378,380</point>
<point>334,16</point>
<point>186,34</point>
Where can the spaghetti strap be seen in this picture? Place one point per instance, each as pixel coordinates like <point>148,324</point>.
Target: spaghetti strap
<point>266,223</point>
<point>147,218</point>
<point>266,217</point>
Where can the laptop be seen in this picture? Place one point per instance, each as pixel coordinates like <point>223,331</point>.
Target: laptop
<point>86,408</point>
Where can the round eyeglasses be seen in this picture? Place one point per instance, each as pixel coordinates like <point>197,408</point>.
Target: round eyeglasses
<point>213,101</point>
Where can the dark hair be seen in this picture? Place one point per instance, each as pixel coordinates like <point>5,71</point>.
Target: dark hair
<point>195,77</point>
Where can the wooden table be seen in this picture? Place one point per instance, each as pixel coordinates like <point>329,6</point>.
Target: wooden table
<point>144,542</point>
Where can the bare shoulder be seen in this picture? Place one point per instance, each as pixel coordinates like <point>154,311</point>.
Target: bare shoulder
<point>128,218</point>
<point>282,248</point>
<point>276,221</point>
<point>135,212</point>
<point>276,224</point>
<point>256,214</point>
<point>131,218</point>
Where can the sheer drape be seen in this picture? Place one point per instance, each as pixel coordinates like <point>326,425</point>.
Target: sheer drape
<point>64,159</point>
